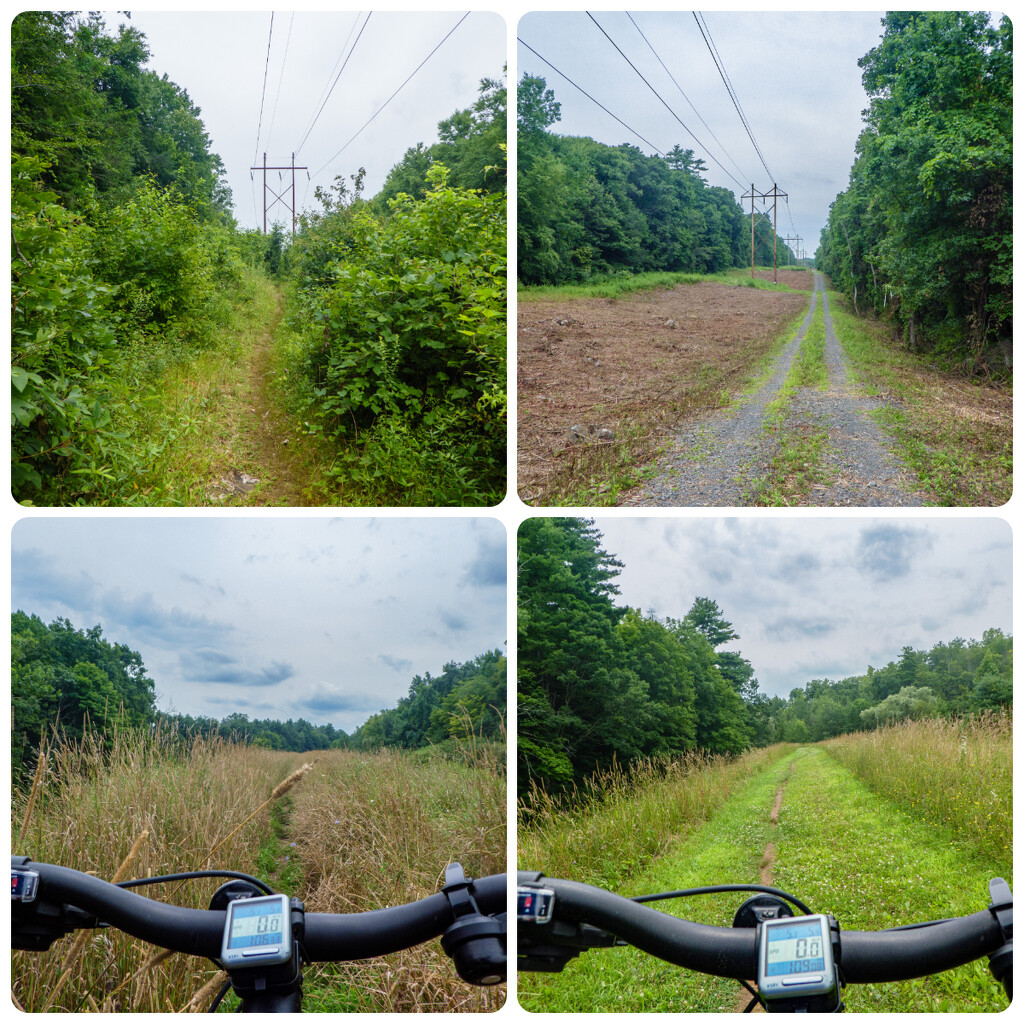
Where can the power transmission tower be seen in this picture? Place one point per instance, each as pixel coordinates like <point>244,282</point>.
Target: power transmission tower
<point>788,240</point>
<point>278,198</point>
<point>775,195</point>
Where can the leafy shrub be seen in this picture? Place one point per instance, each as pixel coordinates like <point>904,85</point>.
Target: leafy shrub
<point>407,346</point>
<point>158,255</point>
<point>97,310</point>
<point>62,331</point>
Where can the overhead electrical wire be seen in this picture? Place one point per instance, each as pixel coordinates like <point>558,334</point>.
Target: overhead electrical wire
<point>395,93</point>
<point>727,82</point>
<point>683,94</point>
<point>632,131</point>
<point>280,80</point>
<point>720,64</point>
<point>661,99</point>
<point>333,84</point>
<point>266,69</point>
<point>330,77</point>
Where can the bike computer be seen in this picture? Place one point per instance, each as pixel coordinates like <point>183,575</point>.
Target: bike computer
<point>795,964</point>
<point>257,932</point>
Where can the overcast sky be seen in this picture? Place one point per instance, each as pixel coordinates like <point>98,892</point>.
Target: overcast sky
<point>322,619</point>
<point>220,60</point>
<point>795,75</point>
<point>814,598</point>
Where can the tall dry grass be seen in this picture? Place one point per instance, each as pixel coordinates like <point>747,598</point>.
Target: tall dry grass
<point>957,773</point>
<point>136,806</point>
<point>620,820</point>
<point>374,830</point>
<point>365,830</point>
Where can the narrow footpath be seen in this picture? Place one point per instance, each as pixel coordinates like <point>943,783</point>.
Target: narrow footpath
<point>262,459</point>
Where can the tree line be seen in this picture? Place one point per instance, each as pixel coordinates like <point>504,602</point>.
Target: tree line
<point>958,677</point>
<point>66,680</point>
<point>588,209</point>
<point>599,683</point>
<point>923,233</point>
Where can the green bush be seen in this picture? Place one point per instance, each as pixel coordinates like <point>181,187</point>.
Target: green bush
<point>62,333</point>
<point>98,308</point>
<point>158,255</point>
<point>407,346</point>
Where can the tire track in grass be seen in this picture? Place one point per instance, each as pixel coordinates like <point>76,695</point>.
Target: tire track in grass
<point>766,877</point>
<point>728,847</point>
<point>846,851</point>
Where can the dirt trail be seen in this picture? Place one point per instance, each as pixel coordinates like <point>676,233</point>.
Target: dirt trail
<point>725,459</point>
<point>262,461</point>
<point>765,877</point>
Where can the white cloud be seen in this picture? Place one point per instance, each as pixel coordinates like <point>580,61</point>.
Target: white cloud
<point>813,597</point>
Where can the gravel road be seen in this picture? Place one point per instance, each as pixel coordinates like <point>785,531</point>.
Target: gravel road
<point>724,459</point>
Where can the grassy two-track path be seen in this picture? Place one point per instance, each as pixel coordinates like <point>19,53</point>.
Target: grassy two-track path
<point>830,841</point>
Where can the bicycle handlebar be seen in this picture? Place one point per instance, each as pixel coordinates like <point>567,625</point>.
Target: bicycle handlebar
<point>328,937</point>
<point>893,955</point>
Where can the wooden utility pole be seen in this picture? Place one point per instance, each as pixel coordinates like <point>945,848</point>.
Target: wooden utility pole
<point>278,198</point>
<point>775,195</point>
<point>797,239</point>
<point>754,194</point>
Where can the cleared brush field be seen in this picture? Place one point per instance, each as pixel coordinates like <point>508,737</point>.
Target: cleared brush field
<point>356,831</point>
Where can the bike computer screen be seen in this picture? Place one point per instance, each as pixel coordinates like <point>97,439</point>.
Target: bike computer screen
<point>257,932</point>
<point>795,958</point>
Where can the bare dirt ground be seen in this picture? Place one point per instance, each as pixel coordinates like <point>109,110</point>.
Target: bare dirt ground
<point>632,365</point>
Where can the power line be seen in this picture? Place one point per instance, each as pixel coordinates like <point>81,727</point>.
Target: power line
<point>632,131</point>
<point>280,80</point>
<point>341,56</point>
<point>683,94</point>
<point>328,96</point>
<point>720,64</point>
<point>660,98</point>
<point>396,92</point>
<point>266,69</point>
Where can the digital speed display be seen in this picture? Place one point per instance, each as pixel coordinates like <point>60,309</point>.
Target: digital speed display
<point>794,947</point>
<point>795,967</point>
<point>257,932</point>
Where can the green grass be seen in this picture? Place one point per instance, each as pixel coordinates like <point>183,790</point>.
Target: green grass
<point>847,851</point>
<point>614,285</point>
<point>611,829</point>
<point>170,404</point>
<point>795,468</point>
<point>963,457</point>
<point>841,848</point>
<point>808,370</point>
<point>957,773</point>
<point>797,463</point>
<point>726,848</point>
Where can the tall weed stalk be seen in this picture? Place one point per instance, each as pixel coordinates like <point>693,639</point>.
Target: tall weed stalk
<point>377,829</point>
